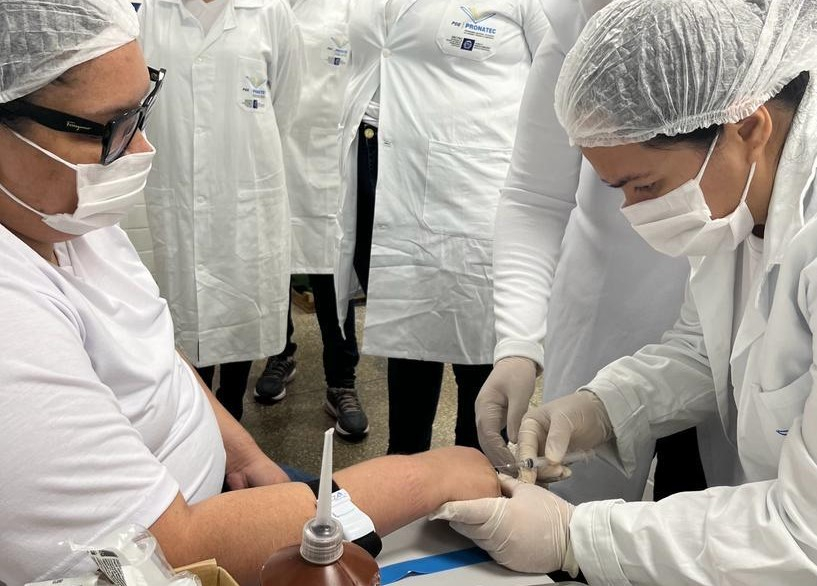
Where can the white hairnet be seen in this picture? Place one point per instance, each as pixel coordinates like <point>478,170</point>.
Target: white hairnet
<point>646,67</point>
<point>41,39</point>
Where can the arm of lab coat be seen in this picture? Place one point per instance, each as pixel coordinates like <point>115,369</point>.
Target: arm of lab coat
<point>751,535</point>
<point>661,389</point>
<point>534,207</point>
<point>284,70</point>
<point>534,23</point>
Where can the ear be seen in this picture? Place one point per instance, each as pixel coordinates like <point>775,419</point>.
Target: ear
<point>755,132</point>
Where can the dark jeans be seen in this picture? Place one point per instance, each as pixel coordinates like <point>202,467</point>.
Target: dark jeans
<point>678,467</point>
<point>232,384</point>
<point>414,391</point>
<point>414,385</point>
<point>340,355</point>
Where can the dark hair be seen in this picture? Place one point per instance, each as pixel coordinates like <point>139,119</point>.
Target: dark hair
<point>789,98</point>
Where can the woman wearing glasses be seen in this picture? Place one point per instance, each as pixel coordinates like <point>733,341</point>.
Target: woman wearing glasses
<point>102,422</point>
<point>217,202</point>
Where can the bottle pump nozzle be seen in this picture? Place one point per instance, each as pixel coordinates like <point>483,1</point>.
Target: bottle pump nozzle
<point>322,542</point>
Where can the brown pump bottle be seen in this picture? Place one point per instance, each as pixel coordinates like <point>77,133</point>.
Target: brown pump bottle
<point>323,558</point>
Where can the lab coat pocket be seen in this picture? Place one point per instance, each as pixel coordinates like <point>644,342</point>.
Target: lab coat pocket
<point>778,409</point>
<point>462,188</point>
<point>469,31</point>
<point>252,84</point>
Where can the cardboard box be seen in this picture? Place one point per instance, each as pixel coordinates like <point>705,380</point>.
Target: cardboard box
<point>210,573</point>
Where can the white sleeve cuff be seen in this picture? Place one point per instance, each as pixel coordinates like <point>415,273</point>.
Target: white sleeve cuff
<point>629,421</point>
<point>530,350</point>
<point>591,536</point>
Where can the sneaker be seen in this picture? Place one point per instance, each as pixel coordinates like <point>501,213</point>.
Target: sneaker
<point>344,405</point>
<point>271,385</point>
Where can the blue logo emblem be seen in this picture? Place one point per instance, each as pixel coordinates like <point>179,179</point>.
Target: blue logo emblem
<point>467,45</point>
<point>783,432</point>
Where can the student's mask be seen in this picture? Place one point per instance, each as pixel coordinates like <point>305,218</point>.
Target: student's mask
<point>680,222</point>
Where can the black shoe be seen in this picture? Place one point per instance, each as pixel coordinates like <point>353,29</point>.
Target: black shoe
<point>344,405</point>
<point>271,385</point>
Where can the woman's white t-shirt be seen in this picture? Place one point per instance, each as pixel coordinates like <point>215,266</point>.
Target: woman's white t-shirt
<point>102,422</point>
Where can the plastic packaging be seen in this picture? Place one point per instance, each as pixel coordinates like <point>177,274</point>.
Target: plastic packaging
<point>87,580</point>
<point>131,556</point>
<point>323,558</point>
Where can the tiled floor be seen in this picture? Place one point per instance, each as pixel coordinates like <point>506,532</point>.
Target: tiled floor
<point>291,431</point>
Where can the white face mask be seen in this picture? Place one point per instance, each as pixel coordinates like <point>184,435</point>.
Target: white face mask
<point>680,222</point>
<point>105,193</point>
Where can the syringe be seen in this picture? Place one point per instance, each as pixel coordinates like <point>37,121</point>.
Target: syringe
<point>542,462</point>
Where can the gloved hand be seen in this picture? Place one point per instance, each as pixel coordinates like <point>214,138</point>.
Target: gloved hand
<point>502,401</point>
<point>571,423</point>
<point>527,530</point>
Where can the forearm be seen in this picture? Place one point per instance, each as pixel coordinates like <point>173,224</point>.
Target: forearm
<point>418,480</point>
<point>238,443</point>
<point>241,529</point>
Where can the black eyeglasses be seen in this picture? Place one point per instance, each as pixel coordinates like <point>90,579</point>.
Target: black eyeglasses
<point>116,135</point>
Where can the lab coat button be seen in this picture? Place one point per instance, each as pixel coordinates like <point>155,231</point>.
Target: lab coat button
<point>386,53</point>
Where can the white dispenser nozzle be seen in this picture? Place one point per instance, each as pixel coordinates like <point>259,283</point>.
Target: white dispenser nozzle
<point>322,542</point>
<point>325,490</point>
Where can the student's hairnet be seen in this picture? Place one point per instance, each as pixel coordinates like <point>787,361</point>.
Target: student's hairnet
<point>41,39</point>
<point>646,67</point>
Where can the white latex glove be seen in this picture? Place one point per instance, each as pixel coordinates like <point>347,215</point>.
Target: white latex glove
<point>527,530</point>
<point>571,423</point>
<point>502,402</point>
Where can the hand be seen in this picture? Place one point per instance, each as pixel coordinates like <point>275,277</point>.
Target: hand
<point>502,401</point>
<point>458,473</point>
<point>258,471</point>
<point>567,424</point>
<point>527,530</point>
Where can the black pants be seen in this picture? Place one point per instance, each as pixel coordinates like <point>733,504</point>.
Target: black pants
<point>414,385</point>
<point>678,467</point>
<point>232,384</point>
<point>414,391</point>
<point>340,356</point>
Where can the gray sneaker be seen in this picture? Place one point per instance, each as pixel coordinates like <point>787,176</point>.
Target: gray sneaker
<point>272,384</point>
<point>344,405</point>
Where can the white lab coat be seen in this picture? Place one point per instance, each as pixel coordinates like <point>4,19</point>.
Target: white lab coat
<point>312,152</point>
<point>762,388</point>
<point>447,124</point>
<point>216,198</point>
<point>574,286</point>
